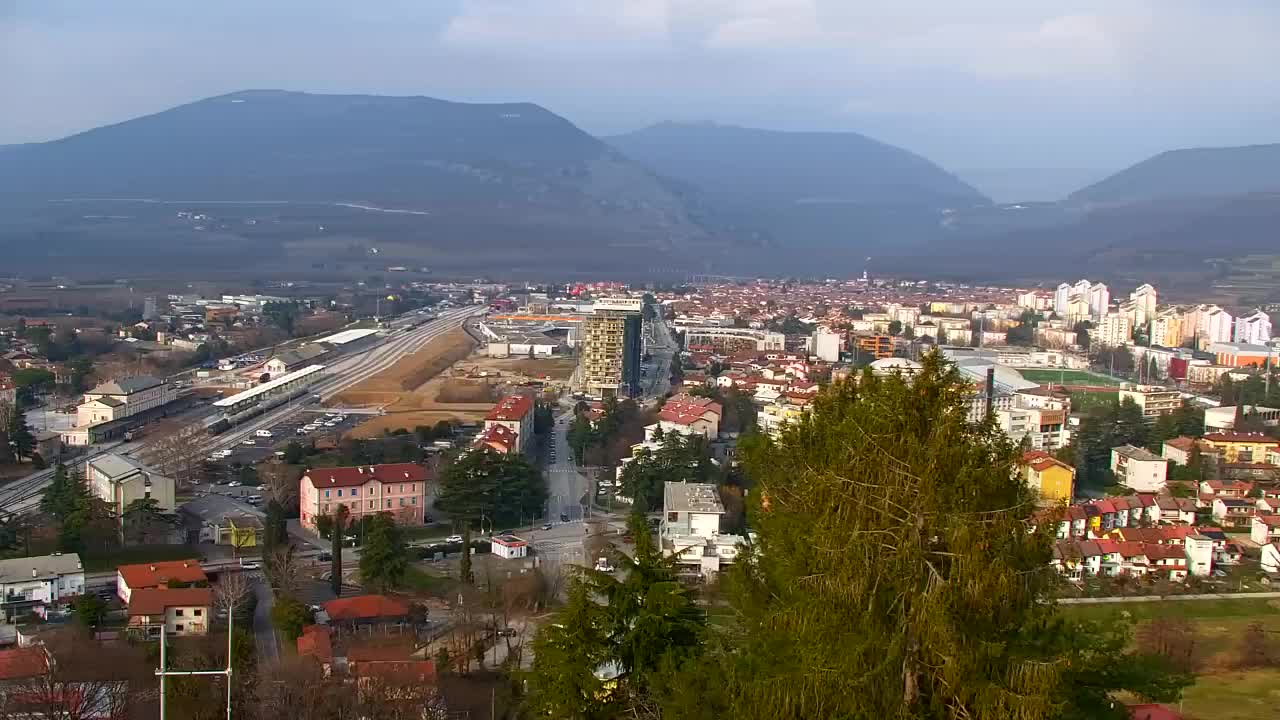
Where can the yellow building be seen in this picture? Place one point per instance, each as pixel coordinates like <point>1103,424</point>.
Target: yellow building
<point>1166,329</point>
<point>1240,447</point>
<point>1052,478</point>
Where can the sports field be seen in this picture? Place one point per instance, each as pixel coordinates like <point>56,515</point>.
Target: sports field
<point>1067,377</point>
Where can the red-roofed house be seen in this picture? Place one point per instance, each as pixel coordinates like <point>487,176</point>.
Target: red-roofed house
<point>23,663</point>
<point>396,488</point>
<point>1048,476</point>
<point>360,610</point>
<point>157,575</point>
<point>498,439</point>
<point>181,611</point>
<point>315,643</point>
<point>688,415</point>
<point>1265,529</point>
<point>515,413</point>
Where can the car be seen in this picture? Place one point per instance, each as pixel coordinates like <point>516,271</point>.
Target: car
<point>331,423</point>
<point>249,565</point>
<point>603,565</point>
<point>507,632</point>
<point>249,441</point>
<point>301,431</point>
<point>546,526</point>
<point>263,433</point>
<point>234,483</point>
<point>261,488</point>
<point>564,517</point>
<point>453,539</point>
<point>341,418</point>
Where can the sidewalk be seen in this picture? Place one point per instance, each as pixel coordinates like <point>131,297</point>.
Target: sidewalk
<point>1160,598</point>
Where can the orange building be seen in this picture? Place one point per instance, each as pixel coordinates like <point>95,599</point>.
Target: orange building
<point>881,346</point>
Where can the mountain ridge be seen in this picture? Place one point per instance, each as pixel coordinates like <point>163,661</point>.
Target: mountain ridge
<point>1181,172</point>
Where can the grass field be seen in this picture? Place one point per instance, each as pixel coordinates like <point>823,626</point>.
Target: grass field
<point>1220,693</point>
<point>1069,377</point>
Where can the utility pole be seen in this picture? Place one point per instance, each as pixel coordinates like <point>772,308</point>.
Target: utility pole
<point>164,671</point>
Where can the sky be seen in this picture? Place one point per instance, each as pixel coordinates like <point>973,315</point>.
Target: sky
<point>971,84</point>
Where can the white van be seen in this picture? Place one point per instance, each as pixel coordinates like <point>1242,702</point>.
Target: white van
<point>263,433</point>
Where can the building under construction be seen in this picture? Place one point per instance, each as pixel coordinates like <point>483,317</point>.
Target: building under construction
<point>610,352</point>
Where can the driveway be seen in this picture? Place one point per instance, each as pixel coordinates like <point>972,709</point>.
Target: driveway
<point>264,635</point>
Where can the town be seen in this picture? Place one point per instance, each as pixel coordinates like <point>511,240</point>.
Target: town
<point>392,485</point>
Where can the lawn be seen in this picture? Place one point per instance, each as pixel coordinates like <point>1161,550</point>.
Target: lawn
<point>1084,401</point>
<point>1234,695</point>
<point>426,532</point>
<point>1069,377</point>
<point>1246,608</point>
<point>101,562</point>
<point>419,580</point>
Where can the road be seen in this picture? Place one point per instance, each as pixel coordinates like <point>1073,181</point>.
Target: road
<point>264,635</point>
<point>661,347</point>
<point>566,485</point>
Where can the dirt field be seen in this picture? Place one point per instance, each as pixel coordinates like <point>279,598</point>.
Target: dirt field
<point>520,369</point>
<point>425,388</point>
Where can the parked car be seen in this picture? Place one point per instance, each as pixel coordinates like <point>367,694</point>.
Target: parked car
<point>263,433</point>
<point>234,483</point>
<point>453,539</point>
<point>546,526</point>
<point>507,632</point>
<point>249,565</point>
<point>603,565</point>
<point>325,557</point>
<point>249,441</point>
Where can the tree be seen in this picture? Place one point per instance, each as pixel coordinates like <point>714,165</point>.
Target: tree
<point>324,525</point>
<point>82,679</point>
<point>566,653</point>
<point>337,541</point>
<point>59,497</point>
<point>680,458</point>
<point>1174,639</point>
<point>1254,649</point>
<point>293,453</point>
<point>580,436</point>
<point>276,529</point>
<point>383,556</point>
<point>230,592</point>
<point>289,616</point>
<point>891,578</point>
<point>281,568</point>
<point>20,436</point>
<point>1098,660</point>
<point>895,327</point>
<point>140,519</point>
<point>175,450</point>
<point>505,489</point>
<point>90,610</point>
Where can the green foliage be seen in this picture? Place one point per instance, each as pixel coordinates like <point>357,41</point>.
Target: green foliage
<point>140,518</point>
<point>383,555</point>
<point>289,616</point>
<point>324,525</point>
<point>504,488</point>
<point>90,610</point>
<point>34,378</point>
<point>543,418</point>
<point>566,653</point>
<point>1103,428</point>
<point>294,453</point>
<point>680,458</point>
<point>59,497</point>
<point>276,530</point>
<point>338,525</point>
<point>895,327</point>
<point>19,434</point>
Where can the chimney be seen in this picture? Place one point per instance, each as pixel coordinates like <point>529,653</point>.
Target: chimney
<point>153,568</point>
<point>79,565</point>
<point>34,573</point>
<point>360,470</point>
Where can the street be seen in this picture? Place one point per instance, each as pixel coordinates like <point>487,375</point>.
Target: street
<point>264,635</point>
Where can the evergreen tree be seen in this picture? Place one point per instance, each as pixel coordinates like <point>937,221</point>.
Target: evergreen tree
<point>59,497</point>
<point>894,574</point>
<point>566,655</point>
<point>276,532</point>
<point>20,436</point>
<point>383,556</point>
<point>337,541</point>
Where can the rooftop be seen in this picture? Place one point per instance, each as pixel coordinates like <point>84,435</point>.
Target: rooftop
<point>46,567</point>
<point>126,386</point>
<point>1240,437</point>
<point>511,408</point>
<point>154,601</point>
<point>347,336</point>
<point>691,497</point>
<point>268,386</point>
<point>147,575</point>
<point>356,476</point>
<point>364,607</point>
<point>1137,453</point>
<point>116,467</point>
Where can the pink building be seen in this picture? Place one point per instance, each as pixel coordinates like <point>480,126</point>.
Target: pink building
<point>398,488</point>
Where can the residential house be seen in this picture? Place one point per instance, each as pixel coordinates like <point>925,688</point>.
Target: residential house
<point>1154,400</point>
<point>688,415</point>
<point>1212,489</point>
<point>690,527</point>
<point>119,480</point>
<point>31,585</point>
<point>1139,469</point>
<point>180,611</point>
<point>1265,529</point>
<point>361,612</point>
<point>499,439</point>
<point>515,413</point>
<point>159,574</point>
<point>1234,513</point>
<point>1167,560</point>
<point>1271,558</point>
<point>1239,447</point>
<point>1178,450</point>
<point>396,488</point>
<point>1048,476</point>
<point>8,391</point>
<point>1176,510</point>
<point>122,398</point>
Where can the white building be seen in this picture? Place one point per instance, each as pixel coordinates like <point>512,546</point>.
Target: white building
<point>1112,330</point>
<point>118,481</point>
<point>1144,300</point>
<point>1154,400</point>
<point>515,413</point>
<point>827,345</point>
<point>1254,329</point>
<point>1213,325</point>
<point>1060,298</point>
<point>508,547</point>
<point>1139,469</point>
<point>1044,426</point>
<point>1099,300</point>
<point>690,527</point>
<point>1199,552</point>
<point>122,398</point>
<point>33,584</point>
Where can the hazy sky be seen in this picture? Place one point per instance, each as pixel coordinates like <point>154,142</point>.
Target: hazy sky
<point>969,83</point>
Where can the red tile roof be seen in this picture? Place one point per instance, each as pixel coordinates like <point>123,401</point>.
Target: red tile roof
<point>685,409</point>
<point>497,437</point>
<point>154,601</point>
<point>511,408</point>
<point>1238,437</point>
<point>1269,520</point>
<point>363,607</point>
<point>158,574</point>
<point>1040,461</point>
<point>1182,442</point>
<point>315,642</point>
<point>21,663</point>
<point>357,476</point>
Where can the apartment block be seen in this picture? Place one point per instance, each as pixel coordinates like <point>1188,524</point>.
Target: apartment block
<point>611,351</point>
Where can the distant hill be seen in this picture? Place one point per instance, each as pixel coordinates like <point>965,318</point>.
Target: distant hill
<point>501,174</point>
<point>803,188</point>
<point>1192,172</point>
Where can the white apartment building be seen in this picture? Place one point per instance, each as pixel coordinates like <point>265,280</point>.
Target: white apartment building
<point>1144,300</point>
<point>1099,300</point>
<point>1045,428</point>
<point>1060,298</point>
<point>1139,469</point>
<point>827,344</point>
<point>690,527</point>
<point>1213,325</point>
<point>1153,399</point>
<point>1112,330</point>
<point>1078,308</point>
<point>33,584</point>
<point>1254,329</point>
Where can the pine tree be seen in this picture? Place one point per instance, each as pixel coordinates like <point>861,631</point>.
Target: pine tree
<point>20,436</point>
<point>383,556</point>
<point>59,494</point>
<point>895,574</point>
<point>566,655</point>
<point>338,540</point>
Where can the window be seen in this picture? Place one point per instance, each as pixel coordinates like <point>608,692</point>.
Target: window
<point>388,502</point>
<point>178,612</point>
<point>401,502</point>
<point>413,501</point>
<point>339,493</point>
<point>373,504</point>
<point>413,487</point>
<point>324,508</point>
<point>673,517</point>
<point>178,627</point>
<point>370,489</point>
<point>326,493</point>
<point>197,612</point>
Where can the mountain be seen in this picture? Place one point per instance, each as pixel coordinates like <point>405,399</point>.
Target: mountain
<point>511,175</point>
<point>1191,172</point>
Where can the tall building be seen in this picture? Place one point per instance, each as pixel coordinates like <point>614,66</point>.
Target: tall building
<point>1060,298</point>
<point>1214,325</point>
<point>1166,329</point>
<point>1113,330</point>
<point>827,345</point>
<point>610,357</point>
<point>1099,300</point>
<point>1144,301</point>
<point>149,311</point>
<point>1254,329</point>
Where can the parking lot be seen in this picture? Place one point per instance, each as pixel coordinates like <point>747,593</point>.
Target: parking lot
<point>255,449</point>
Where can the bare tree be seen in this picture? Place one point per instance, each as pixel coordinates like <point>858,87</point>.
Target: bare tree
<point>176,450</point>
<point>1175,639</point>
<point>281,481</point>
<point>73,677</point>
<point>282,570</point>
<point>230,592</point>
